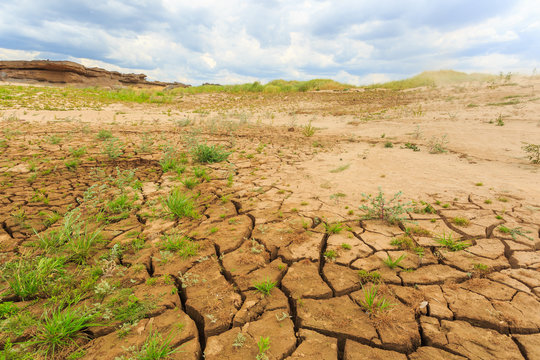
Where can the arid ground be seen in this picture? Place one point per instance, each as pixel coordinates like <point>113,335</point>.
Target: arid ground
<point>252,225</point>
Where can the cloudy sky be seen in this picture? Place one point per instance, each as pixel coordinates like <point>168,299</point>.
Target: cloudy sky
<point>355,41</point>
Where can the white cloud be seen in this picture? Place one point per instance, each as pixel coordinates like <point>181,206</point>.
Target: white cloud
<point>235,41</point>
<point>10,54</point>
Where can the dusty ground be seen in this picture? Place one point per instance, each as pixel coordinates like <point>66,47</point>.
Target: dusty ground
<point>283,208</point>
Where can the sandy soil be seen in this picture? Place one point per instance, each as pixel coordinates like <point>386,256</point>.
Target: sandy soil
<point>284,209</point>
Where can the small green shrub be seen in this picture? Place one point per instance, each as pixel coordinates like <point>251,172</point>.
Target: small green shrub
<point>372,276</point>
<point>392,211</point>
<point>265,287</point>
<point>209,154</point>
<point>411,146</point>
<point>403,242</point>
<point>533,152</point>
<point>514,232</point>
<point>113,148</point>
<point>333,228</point>
<point>264,345</point>
<point>438,145</point>
<point>453,245</point>
<point>180,205</point>
<point>330,255</point>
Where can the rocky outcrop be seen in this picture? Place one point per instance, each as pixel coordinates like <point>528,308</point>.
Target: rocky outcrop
<point>71,73</point>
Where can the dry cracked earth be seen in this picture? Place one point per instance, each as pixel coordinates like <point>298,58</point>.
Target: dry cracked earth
<point>193,279</point>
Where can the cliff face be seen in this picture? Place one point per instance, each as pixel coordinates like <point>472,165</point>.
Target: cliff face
<point>71,73</point>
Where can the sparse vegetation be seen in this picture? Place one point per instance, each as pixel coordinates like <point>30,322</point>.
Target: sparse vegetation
<point>265,287</point>
<point>392,210</point>
<point>460,221</point>
<point>515,232</point>
<point>180,244</point>
<point>91,235</point>
<point>59,329</point>
<point>180,205</point>
<point>371,303</point>
<point>533,152</point>
<point>367,277</point>
<point>264,345</point>
<point>156,347</point>
<point>308,130</point>
<point>437,145</point>
<point>448,241</point>
<point>330,255</point>
<point>392,263</point>
<point>335,228</point>
<point>340,168</point>
<point>209,154</point>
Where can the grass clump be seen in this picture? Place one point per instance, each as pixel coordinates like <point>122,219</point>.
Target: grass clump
<point>120,204</point>
<point>190,183</point>
<point>369,277</point>
<point>209,154</point>
<point>460,221</point>
<point>8,309</point>
<point>156,347</point>
<point>392,211</point>
<point>371,303</point>
<point>392,263</point>
<point>403,242</point>
<point>333,228</point>
<point>308,130</point>
<point>330,255</point>
<point>417,230</point>
<point>481,269</point>
<point>29,278</point>
<point>180,244</point>
<point>173,161</point>
<point>74,237</point>
<point>126,307</point>
<point>180,205</point>
<point>453,245</point>
<point>265,287</point>
<point>60,328</point>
